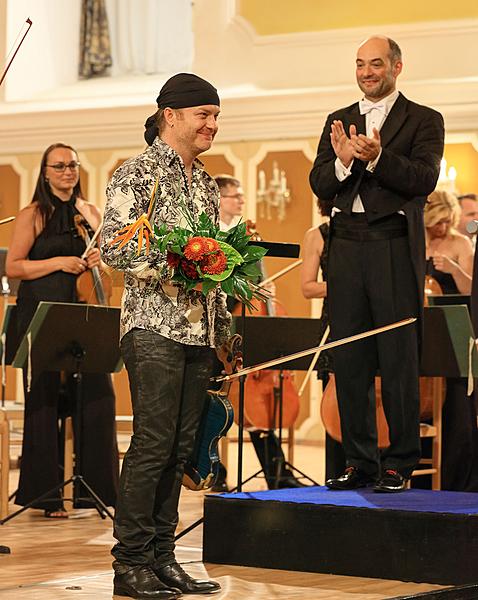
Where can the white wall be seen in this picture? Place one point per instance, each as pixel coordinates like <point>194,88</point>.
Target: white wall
<point>48,57</point>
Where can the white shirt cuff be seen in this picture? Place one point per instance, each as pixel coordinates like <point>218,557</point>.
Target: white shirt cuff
<point>341,171</point>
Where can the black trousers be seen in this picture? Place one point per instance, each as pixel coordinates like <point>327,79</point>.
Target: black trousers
<point>41,466</point>
<point>370,284</point>
<point>168,383</point>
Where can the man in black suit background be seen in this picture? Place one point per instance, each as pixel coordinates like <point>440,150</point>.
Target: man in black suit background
<point>377,160</point>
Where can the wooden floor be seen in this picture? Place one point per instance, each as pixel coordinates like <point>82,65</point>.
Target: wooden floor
<point>68,559</point>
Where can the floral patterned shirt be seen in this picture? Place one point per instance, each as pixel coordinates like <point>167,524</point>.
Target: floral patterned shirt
<point>150,300</point>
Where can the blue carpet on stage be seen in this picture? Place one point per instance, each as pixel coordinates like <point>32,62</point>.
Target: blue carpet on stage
<point>412,500</point>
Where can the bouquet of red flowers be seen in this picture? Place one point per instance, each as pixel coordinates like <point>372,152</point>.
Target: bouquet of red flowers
<point>201,253</point>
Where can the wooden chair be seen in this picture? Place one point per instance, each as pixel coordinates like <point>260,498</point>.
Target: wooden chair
<point>436,387</point>
<point>4,463</point>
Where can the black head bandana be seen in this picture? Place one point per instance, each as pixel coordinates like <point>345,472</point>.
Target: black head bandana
<point>183,90</point>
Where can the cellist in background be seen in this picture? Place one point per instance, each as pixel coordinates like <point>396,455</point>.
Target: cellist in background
<point>45,253</point>
<point>266,442</point>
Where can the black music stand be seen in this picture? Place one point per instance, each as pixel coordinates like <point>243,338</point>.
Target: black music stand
<point>447,332</point>
<point>275,250</point>
<point>76,339</point>
<point>284,335</point>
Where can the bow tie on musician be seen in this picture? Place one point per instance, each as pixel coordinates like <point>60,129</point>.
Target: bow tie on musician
<point>365,106</point>
<point>265,441</point>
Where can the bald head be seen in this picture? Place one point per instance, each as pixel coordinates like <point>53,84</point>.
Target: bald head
<point>378,64</point>
<point>394,51</point>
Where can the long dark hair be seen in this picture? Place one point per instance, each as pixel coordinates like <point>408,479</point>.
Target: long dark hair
<point>325,207</point>
<point>43,193</point>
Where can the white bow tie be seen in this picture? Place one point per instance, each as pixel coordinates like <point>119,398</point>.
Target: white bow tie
<point>366,106</point>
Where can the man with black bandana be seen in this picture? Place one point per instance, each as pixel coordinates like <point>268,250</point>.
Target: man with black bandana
<point>167,337</point>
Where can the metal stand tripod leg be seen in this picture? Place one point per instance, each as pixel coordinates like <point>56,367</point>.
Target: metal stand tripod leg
<point>280,462</point>
<point>99,504</point>
<point>201,520</point>
<point>77,478</point>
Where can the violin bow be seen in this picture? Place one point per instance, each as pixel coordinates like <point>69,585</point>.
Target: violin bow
<point>28,23</point>
<point>283,271</point>
<point>92,240</point>
<point>302,353</point>
<point>314,361</point>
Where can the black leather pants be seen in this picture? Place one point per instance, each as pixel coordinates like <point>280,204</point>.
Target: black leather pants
<point>168,382</point>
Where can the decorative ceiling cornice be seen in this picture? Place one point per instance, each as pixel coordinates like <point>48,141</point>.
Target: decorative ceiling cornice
<point>256,115</point>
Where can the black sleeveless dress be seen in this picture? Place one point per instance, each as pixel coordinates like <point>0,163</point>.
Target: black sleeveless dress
<point>324,363</point>
<point>50,399</point>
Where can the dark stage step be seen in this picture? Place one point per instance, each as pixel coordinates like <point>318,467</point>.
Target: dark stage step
<point>418,535</point>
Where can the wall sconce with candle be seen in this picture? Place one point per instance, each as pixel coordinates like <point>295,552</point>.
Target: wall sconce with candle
<point>447,178</point>
<point>274,195</point>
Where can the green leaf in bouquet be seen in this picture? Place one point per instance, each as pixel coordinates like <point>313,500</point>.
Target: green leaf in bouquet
<point>176,249</point>
<point>239,230</point>
<point>205,227</point>
<point>233,256</point>
<point>208,285</point>
<point>220,276</point>
<point>254,253</point>
<point>250,270</point>
<point>242,288</point>
<point>228,286</point>
<point>160,230</point>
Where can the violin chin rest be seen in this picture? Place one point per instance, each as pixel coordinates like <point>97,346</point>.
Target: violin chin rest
<point>192,480</point>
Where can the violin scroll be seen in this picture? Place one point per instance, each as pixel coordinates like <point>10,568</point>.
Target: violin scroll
<point>230,355</point>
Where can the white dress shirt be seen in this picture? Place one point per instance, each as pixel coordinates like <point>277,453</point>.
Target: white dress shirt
<point>375,115</point>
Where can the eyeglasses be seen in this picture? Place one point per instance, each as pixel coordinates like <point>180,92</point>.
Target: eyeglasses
<point>62,167</point>
<point>236,196</point>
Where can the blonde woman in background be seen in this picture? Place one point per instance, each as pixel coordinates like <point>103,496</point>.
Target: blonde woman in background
<point>450,253</point>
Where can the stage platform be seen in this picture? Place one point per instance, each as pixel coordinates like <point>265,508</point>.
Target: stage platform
<point>418,535</point>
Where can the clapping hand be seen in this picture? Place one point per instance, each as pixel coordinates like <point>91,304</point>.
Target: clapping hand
<point>341,143</point>
<point>365,148</point>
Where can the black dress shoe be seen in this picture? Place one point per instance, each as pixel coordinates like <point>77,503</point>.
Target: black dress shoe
<point>175,576</point>
<point>352,479</point>
<point>142,583</point>
<point>390,481</point>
